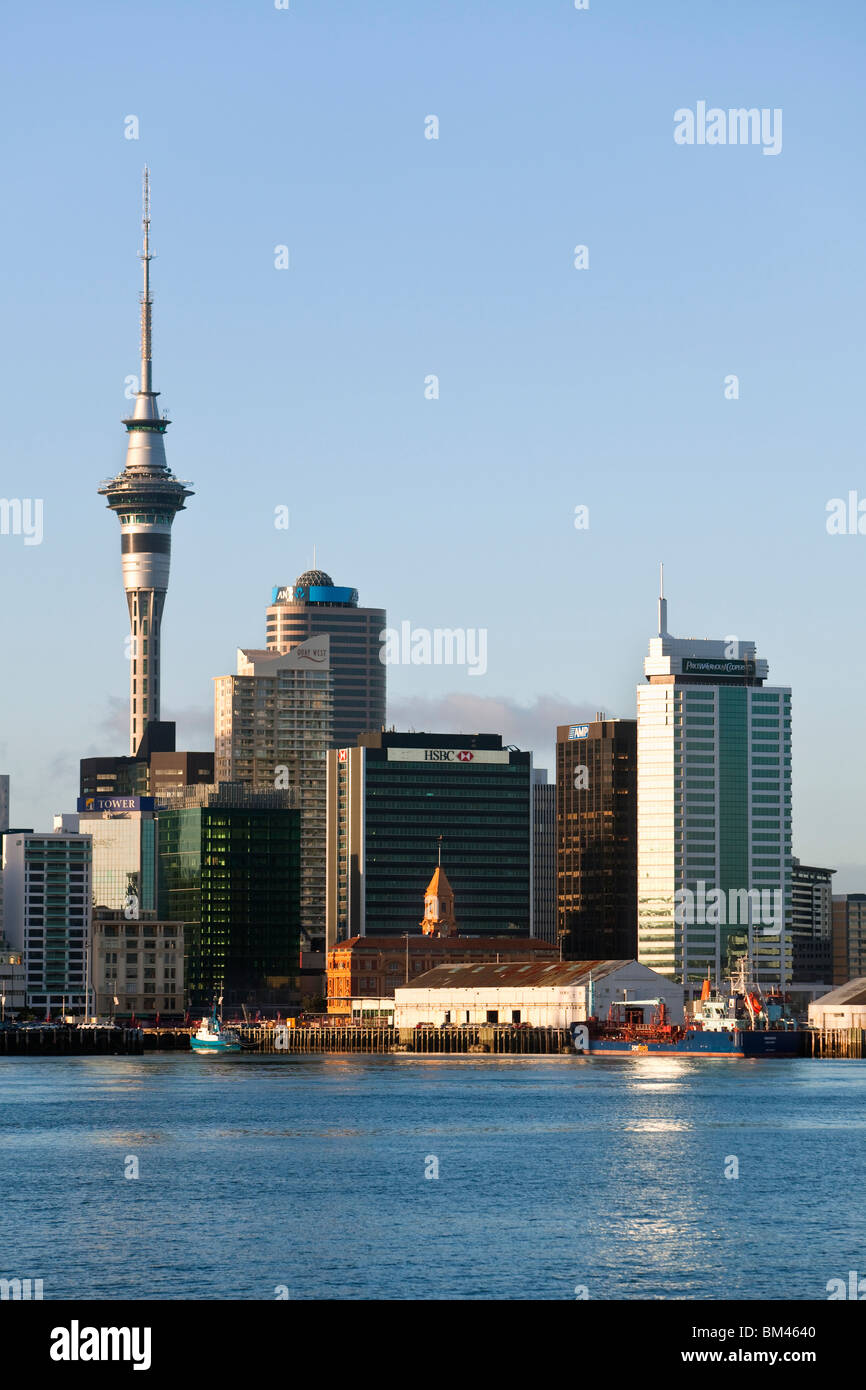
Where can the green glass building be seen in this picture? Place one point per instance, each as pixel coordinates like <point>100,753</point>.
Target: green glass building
<point>230,871</point>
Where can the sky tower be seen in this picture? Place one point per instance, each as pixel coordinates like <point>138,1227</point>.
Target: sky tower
<point>146,496</point>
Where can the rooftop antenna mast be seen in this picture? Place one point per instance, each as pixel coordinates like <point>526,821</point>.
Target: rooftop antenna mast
<point>663,604</point>
<point>146,257</point>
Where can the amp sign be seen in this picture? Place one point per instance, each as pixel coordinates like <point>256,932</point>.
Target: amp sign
<point>579,731</point>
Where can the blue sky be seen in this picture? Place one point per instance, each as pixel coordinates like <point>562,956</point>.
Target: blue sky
<point>453,257</point>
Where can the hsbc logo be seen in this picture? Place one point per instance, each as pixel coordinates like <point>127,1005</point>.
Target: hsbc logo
<point>447,755</point>
<point>467,756</point>
<point>343,755</point>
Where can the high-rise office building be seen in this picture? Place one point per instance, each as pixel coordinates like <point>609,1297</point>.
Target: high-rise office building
<point>158,773</point>
<point>714,811</point>
<point>47,894</point>
<point>544,855</point>
<point>273,724</point>
<point>229,869</point>
<point>811,925</point>
<point>849,937</point>
<point>123,835</point>
<point>314,605</point>
<point>395,799</point>
<point>596,846</point>
<point>4,801</point>
<point>146,497</point>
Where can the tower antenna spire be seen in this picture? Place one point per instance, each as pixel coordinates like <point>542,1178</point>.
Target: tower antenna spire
<point>663,603</point>
<point>146,257</point>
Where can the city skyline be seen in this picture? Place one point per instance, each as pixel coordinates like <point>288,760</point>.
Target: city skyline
<point>313,379</point>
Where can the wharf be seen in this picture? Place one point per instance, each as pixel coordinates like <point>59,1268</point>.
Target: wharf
<point>351,1038</point>
<point>56,1040</point>
<point>835,1042</point>
<point>496,1039</point>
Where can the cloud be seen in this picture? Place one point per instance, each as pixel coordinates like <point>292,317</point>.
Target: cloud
<point>115,721</point>
<point>531,726</point>
<point>194,729</point>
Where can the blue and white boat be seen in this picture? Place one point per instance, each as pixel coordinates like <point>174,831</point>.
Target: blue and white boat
<point>212,1037</point>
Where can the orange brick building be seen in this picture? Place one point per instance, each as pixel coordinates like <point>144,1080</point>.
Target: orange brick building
<point>371,967</point>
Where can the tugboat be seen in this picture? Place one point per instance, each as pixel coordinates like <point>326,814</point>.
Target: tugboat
<point>212,1037</point>
<point>743,1024</point>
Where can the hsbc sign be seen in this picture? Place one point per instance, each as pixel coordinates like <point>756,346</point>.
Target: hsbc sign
<point>448,755</point>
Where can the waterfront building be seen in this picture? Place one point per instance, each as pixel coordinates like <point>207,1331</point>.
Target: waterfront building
<point>543,995</point>
<point>145,497</point>
<point>367,969</point>
<point>714,811</point>
<point>138,966</point>
<point>844,1007</point>
<point>849,937</point>
<point>314,605</point>
<point>395,799</point>
<point>13,978</point>
<point>543,855</point>
<point>229,869</point>
<point>811,925</point>
<point>47,895</point>
<point>273,724</point>
<point>372,967</point>
<point>596,844</point>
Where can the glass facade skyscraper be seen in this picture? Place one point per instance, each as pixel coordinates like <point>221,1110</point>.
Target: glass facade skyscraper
<point>596,846</point>
<point>395,798</point>
<point>124,856</point>
<point>231,873</point>
<point>714,812</point>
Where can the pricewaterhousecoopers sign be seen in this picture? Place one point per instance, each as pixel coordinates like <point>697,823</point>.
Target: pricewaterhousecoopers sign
<point>716,666</point>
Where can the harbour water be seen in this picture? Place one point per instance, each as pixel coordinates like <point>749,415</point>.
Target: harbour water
<point>304,1177</point>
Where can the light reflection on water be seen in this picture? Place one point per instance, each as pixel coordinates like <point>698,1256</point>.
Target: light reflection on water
<point>309,1171</point>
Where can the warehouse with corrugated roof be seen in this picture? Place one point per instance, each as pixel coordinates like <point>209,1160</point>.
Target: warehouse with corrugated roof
<point>844,1007</point>
<point>535,995</point>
